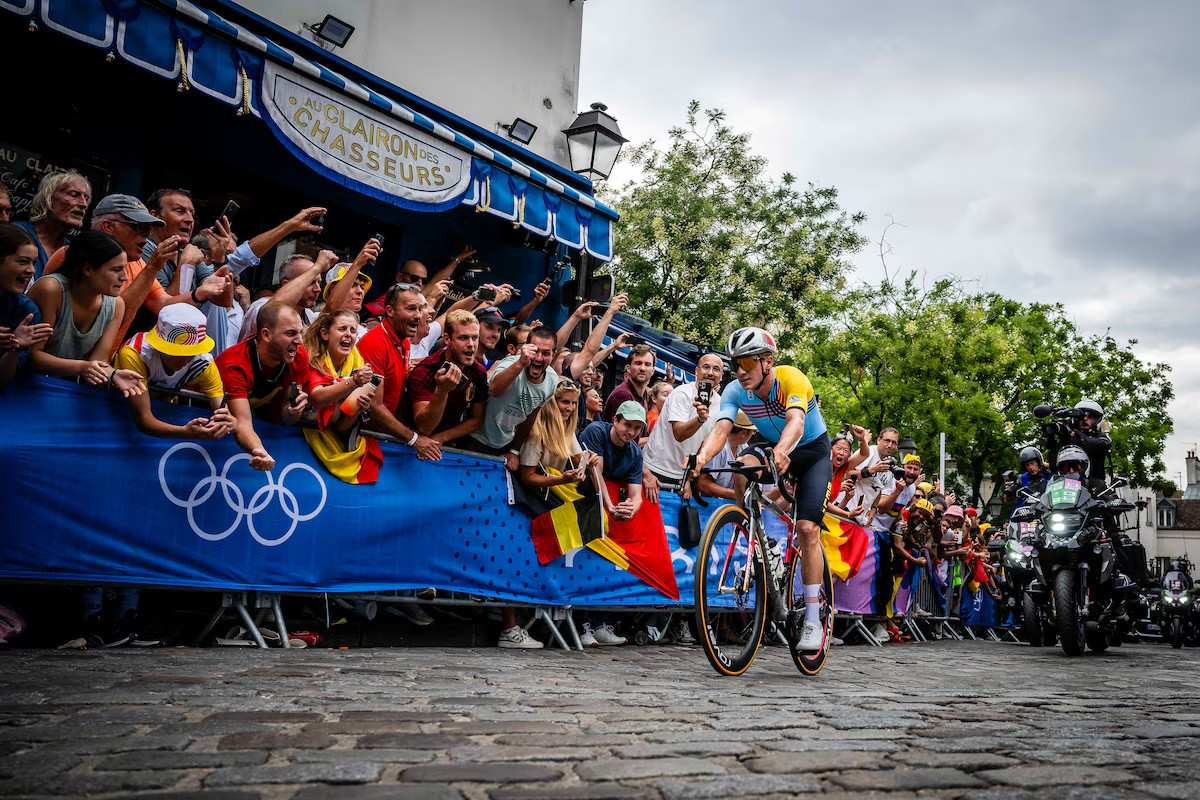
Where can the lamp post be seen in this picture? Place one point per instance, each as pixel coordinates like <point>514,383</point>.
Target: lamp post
<point>593,142</point>
<point>907,447</point>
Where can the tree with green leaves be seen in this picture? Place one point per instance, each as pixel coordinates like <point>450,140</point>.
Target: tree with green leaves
<point>707,241</point>
<point>931,359</point>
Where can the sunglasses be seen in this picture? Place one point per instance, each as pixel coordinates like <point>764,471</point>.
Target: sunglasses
<point>408,276</point>
<point>747,363</point>
<point>141,228</point>
<point>567,383</point>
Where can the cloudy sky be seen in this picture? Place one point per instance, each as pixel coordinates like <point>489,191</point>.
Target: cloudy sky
<point>1049,150</point>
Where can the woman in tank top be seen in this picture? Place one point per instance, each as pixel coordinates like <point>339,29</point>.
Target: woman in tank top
<point>82,301</point>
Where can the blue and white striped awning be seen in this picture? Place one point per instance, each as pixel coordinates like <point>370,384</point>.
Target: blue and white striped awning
<point>178,40</point>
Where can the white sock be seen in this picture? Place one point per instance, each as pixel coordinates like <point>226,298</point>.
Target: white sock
<point>812,602</point>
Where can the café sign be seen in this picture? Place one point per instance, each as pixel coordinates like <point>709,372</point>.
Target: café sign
<point>361,146</point>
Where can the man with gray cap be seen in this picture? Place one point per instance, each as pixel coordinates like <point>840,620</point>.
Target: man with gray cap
<point>127,219</point>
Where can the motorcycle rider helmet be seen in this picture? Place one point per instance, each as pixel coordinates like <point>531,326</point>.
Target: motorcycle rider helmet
<point>1031,454</point>
<point>1072,459</point>
<point>1091,408</point>
<point>749,342</point>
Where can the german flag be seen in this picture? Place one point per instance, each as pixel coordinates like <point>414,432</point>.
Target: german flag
<point>577,521</point>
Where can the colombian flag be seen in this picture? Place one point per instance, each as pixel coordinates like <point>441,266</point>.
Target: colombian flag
<point>845,546</point>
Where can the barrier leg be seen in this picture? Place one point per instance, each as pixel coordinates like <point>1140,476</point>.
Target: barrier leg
<point>540,613</point>
<point>240,608</point>
<point>569,616</point>
<point>212,622</point>
<point>279,623</point>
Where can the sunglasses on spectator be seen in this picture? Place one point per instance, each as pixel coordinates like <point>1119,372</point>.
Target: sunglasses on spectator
<point>747,363</point>
<point>408,276</point>
<point>141,228</point>
<point>567,383</point>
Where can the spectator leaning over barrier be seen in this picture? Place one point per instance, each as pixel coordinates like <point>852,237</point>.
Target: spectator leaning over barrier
<point>726,485</point>
<point>386,348</point>
<point>844,464</point>
<point>21,324</point>
<point>447,392</point>
<point>517,387</point>
<point>265,376</point>
<point>684,424</point>
<point>58,208</point>
<point>81,301</point>
<point>549,457</point>
<point>874,477</point>
<point>300,289</point>
<point>176,355</point>
<point>639,369</point>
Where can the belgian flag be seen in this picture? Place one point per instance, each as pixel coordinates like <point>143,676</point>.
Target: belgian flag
<point>577,520</point>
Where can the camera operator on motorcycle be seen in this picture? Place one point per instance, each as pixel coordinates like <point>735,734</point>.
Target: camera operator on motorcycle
<point>1082,430</point>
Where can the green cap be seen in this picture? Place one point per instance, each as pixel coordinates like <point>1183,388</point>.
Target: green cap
<point>631,411</point>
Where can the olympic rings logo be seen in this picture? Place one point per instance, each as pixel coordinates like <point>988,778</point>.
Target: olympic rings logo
<point>232,494</point>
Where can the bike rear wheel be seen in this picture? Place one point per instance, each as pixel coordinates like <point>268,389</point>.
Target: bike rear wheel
<point>793,591</point>
<point>731,591</point>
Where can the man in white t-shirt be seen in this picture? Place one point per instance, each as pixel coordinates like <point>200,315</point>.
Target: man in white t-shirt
<point>888,505</point>
<point>726,485</point>
<point>517,388</point>
<point>683,424</point>
<point>874,476</point>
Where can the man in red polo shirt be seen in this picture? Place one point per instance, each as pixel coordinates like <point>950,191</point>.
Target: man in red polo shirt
<point>259,374</point>
<point>386,348</point>
<point>448,391</point>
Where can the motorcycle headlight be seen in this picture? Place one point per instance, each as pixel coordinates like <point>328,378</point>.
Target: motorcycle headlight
<point>1168,599</point>
<point>1062,524</point>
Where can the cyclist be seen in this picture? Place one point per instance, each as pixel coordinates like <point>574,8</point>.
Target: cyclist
<point>780,401</point>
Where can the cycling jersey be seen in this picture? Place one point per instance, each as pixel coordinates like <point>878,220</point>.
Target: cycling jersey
<point>791,389</point>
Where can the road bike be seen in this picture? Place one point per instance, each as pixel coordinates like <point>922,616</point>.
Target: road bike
<point>736,605</point>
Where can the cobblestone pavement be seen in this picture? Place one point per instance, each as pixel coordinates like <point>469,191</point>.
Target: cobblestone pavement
<point>974,720</point>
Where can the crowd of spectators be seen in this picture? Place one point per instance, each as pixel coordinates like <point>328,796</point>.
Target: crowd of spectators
<point>147,303</point>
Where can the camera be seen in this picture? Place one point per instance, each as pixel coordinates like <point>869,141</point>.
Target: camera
<point>896,470</point>
<point>484,293</point>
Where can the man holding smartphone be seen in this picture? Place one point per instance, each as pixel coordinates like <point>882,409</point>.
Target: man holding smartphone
<point>447,392</point>
<point>687,417</point>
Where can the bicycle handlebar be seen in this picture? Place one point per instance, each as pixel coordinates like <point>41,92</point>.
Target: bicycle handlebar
<point>753,472</point>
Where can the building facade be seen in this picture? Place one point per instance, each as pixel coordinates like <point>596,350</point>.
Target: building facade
<point>485,61</point>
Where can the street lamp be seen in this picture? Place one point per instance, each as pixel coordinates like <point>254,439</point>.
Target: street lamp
<point>593,142</point>
<point>907,447</point>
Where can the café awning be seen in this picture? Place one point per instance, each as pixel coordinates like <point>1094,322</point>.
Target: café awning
<point>343,129</point>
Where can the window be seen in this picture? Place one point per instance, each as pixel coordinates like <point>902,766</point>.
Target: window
<point>1166,518</point>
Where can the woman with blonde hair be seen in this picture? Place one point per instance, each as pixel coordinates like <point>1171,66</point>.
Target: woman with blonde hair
<point>546,456</point>
<point>340,389</point>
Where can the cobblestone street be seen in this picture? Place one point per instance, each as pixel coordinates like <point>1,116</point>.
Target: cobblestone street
<point>974,720</point>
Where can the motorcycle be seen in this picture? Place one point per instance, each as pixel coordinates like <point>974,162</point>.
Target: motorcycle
<point>1176,611</point>
<point>1077,561</point>
<point>1020,562</point>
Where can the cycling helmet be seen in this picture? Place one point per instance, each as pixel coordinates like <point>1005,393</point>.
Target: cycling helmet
<point>745,342</point>
<point>1074,455</point>
<point>1092,408</point>
<point>921,504</point>
<point>1030,454</point>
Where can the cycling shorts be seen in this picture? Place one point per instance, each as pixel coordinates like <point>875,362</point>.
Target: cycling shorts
<point>812,469</point>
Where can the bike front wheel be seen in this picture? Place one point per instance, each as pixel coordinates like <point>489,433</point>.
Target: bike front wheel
<point>731,591</point>
<point>793,591</point>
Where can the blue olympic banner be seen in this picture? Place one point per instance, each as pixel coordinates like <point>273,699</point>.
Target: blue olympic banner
<point>92,500</point>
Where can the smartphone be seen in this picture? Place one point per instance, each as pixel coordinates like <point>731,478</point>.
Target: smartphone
<point>442,370</point>
<point>622,494</point>
<point>230,212</point>
<point>600,308</point>
<point>319,219</point>
<point>634,341</point>
<point>224,402</point>
<point>293,393</point>
<point>376,380</point>
<point>704,393</point>
<point>379,238</point>
<point>484,293</point>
